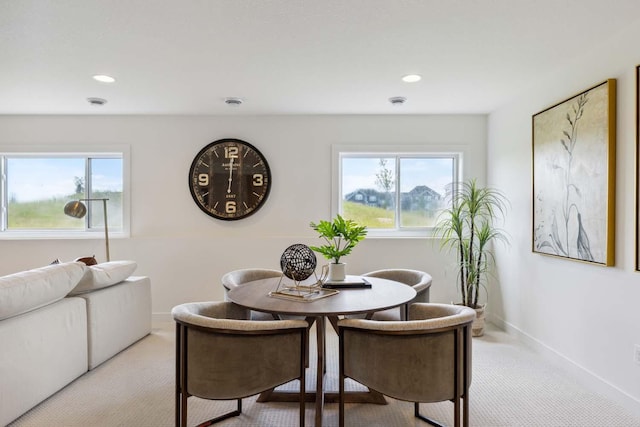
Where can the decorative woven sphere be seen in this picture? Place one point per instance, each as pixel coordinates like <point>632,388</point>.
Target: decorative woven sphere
<point>298,262</point>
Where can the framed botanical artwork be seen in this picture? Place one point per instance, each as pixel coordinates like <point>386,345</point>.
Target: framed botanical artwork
<point>574,155</point>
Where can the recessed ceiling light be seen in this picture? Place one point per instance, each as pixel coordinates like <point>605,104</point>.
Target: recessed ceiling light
<point>412,78</point>
<point>102,78</point>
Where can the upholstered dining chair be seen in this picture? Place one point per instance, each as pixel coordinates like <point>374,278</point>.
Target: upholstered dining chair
<point>242,276</point>
<point>220,356</point>
<point>419,280</point>
<point>424,359</point>
<point>239,277</point>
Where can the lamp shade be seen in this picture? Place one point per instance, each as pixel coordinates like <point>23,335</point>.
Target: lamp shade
<point>75,209</point>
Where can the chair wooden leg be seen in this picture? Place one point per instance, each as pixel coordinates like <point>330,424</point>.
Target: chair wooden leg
<point>310,321</point>
<point>465,411</point>
<point>341,379</point>
<point>177,386</point>
<point>458,354</point>
<point>181,367</point>
<point>223,417</point>
<point>341,402</point>
<point>466,367</point>
<point>302,400</point>
<point>416,412</point>
<point>183,410</point>
<point>304,361</point>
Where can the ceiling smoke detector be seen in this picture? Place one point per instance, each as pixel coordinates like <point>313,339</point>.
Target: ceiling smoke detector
<point>397,100</point>
<point>97,101</point>
<point>234,102</point>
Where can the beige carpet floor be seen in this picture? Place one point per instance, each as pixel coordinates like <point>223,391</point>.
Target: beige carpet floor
<point>512,386</point>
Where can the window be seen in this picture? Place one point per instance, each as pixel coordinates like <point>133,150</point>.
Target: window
<point>36,186</point>
<point>394,194</point>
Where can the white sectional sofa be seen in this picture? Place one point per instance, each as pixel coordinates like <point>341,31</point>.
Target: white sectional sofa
<point>59,321</point>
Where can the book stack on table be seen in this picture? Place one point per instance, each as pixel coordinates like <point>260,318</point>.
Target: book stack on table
<point>355,283</point>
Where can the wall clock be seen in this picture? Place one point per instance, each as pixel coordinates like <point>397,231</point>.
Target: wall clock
<point>229,179</point>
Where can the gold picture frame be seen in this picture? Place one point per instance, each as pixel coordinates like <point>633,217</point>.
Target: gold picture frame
<point>574,158</point>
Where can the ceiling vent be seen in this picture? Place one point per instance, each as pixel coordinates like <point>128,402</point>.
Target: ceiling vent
<point>97,101</point>
<point>397,100</point>
<point>234,102</point>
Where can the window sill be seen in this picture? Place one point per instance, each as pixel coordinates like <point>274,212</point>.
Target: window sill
<point>399,234</point>
<point>61,235</point>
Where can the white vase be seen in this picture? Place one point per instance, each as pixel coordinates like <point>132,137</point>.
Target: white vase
<point>337,271</point>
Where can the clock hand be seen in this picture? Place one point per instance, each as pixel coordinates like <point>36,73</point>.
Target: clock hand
<point>230,175</point>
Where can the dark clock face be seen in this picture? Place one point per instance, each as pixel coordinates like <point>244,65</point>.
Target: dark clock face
<point>229,179</point>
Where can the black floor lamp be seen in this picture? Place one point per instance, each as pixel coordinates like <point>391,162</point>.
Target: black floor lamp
<point>77,209</point>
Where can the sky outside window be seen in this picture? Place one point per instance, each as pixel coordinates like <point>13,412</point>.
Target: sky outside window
<point>106,175</point>
<point>31,179</point>
<point>39,186</point>
<point>360,173</point>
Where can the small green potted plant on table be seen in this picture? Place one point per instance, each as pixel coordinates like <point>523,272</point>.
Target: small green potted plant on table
<point>467,228</point>
<point>340,236</point>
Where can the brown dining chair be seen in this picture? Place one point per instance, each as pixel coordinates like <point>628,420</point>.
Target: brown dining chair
<point>418,280</point>
<point>235,278</point>
<point>424,359</point>
<point>221,356</point>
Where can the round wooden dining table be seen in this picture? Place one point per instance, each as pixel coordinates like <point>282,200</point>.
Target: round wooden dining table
<point>382,295</point>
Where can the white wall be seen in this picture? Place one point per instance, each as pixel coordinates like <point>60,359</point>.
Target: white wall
<point>585,316</point>
<point>184,251</point>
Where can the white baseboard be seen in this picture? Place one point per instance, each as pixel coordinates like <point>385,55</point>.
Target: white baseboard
<point>589,379</point>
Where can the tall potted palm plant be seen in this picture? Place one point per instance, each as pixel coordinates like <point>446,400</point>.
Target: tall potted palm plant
<point>468,228</point>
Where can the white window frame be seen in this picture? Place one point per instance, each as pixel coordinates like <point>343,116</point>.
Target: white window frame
<point>339,151</point>
<point>72,150</point>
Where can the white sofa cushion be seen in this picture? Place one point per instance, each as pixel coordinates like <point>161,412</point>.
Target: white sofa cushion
<point>42,351</point>
<point>117,317</point>
<point>27,290</point>
<point>104,275</point>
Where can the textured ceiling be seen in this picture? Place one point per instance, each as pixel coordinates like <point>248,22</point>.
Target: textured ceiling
<point>290,56</point>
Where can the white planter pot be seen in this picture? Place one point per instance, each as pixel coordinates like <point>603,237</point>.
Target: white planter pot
<point>337,271</point>
<point>477,328</point>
